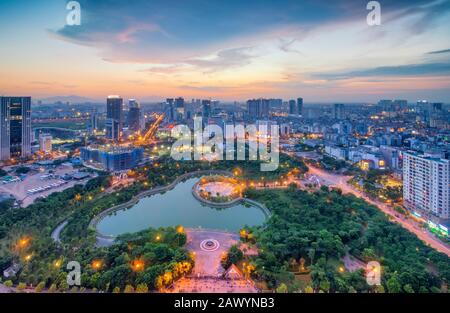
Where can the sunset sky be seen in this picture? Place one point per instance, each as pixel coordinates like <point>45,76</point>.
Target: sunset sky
<point>323,51</point>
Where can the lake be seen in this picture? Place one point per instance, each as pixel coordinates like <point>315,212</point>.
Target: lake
<point>179,207</point>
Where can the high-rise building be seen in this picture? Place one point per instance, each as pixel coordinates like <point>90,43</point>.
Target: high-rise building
<point>94,121</point>
<point>114,117</point>
<point>15,127</point>
<point>386,105</point>
<point>170,110</point>
<point>400,104</point>
<point>134,115</point>
<point>258,108</point>
<point>292,107</point>
<point>426,188</point>
<point>188,111</point>
<point>276,103</point>
<point>422,107</point>
<point>179,108</point>
<point>132,103</point>
<point>112,158</point>
<point>300,106</point>
<point>45,143</point>
<point>206,109</point>
<point>338,111</point>
<point>436,107</point>
<point>179,102</point>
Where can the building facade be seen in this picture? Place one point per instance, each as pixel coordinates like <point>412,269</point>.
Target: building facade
<point>112,159</point>
<point>258,108</point>
<point>338,111</point>
<point>300,106</point>
<point>15,127</point>
<point>45,143</point>
<point>426,189</point>
<point>114,117</point>
<point>134,116</point>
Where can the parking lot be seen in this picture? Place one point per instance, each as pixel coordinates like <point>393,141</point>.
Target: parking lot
<point>41,184</point>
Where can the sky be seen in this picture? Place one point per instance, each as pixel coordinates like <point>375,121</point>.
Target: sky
<point>323,51</point>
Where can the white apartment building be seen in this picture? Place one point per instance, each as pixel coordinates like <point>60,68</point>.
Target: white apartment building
<point>426,186</point>
<point>336,152</point>
<point>45,143</point>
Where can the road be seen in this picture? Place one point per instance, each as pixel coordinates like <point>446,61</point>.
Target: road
<point>57,232</point>
<point>340,181</point>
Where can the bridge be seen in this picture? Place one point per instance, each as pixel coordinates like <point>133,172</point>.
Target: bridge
<point>58,129</point>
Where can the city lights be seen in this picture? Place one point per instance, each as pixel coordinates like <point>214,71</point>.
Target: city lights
<point>97,264</point>
<point>260,147</point>
<point>24,242</point>
<point>137,265</point>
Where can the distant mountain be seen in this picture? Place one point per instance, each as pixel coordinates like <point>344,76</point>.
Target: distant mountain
<point>64,99</point>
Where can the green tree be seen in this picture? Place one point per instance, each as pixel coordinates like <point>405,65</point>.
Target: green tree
<point>21,286</point>
<point>408,288</point>
<point>393,285</point>
<point>63,286</point>
<point>325,285</point>
<point>39,287</point>
<point>129,289</point>
<point>52,288</point>
<point>233,256</point>
<point>282,288</point>
<point>141,288</point>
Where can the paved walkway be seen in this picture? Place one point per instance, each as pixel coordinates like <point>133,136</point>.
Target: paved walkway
<point>57,232</point>
<point>207,273</point>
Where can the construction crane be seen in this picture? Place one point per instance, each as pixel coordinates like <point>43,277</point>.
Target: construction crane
<point>150,133</point>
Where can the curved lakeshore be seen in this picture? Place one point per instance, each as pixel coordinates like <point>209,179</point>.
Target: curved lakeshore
<point>165,210</point>
<point>224,205</point>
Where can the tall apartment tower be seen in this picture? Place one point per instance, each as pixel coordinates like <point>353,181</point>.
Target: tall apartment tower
<point>15,127</point>
<point>426,186</point>
<point>258,108</point>
<point>292,107</point>
<point>94,121</point>
<point>170,110</point>
<point>134,115</point>
<point>338,111</point>
<point>206,109</point>
<point>114,117</point>
<point>300,106</point>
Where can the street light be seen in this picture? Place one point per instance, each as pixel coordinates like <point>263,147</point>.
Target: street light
<point>137,265</point>
<point>23,242</point>
<point>96,264</point>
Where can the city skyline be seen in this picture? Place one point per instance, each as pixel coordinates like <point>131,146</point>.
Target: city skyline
<point>323,52</point>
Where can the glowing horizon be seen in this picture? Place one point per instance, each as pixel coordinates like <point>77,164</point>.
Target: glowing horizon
<point>321,51</point>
